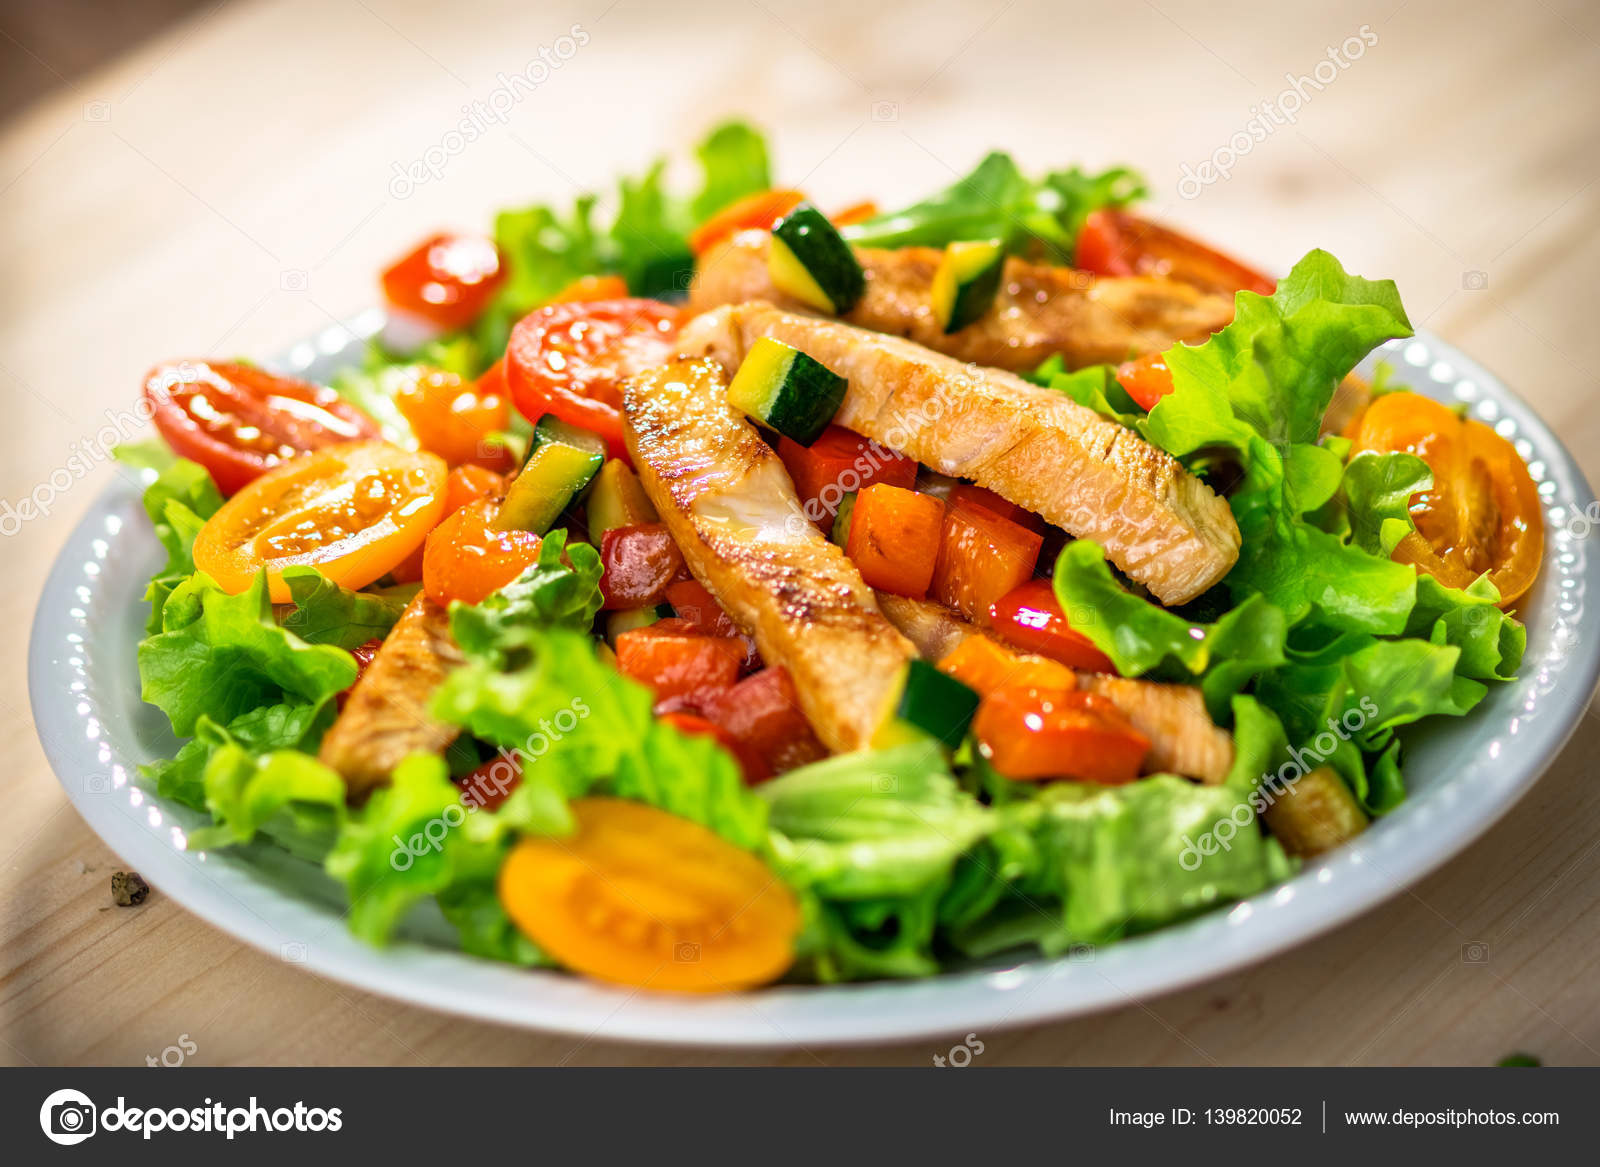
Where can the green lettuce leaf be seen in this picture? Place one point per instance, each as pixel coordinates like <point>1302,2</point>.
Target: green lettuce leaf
<point>1143,638</point>
<point>996,201</point>
<point>733,160</point>
<point>561,589</point>
<point>326,613</point>
<point>246,792</point>
<point>871,825</point>
<point>1106,862</point>
<point>285,726</point>
<point>179,501</point>
<point>221,655</point>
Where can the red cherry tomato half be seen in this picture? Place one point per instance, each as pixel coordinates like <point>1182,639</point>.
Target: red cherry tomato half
<point>239,421</point>
<point>569,359</point>
<point>448,280</point>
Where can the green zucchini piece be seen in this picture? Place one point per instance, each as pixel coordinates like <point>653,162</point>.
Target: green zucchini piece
<point>927,703</point>
<point>617,500</point>
<point>627,619</point>
<point>841,520</point>
<point>810,261</point>
<point>786,390</point>
<point>562,462</point>
<point>966,282</point>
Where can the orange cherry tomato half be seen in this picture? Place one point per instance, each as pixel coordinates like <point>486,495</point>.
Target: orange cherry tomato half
<point>448,279</point>
<point>568,359</point>
<point>239,421</point>
<point>1146,379</point>
<point>1483,512</point>
<point>454,418</point>
<point>1115,243</point>
<point>1058,733</point>
<point>637,896</point>
<point>757,211</point>
<point>466,559</point>
<point>353,512</point>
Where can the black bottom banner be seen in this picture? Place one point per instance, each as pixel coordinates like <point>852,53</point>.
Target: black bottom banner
<point>713,1115</point>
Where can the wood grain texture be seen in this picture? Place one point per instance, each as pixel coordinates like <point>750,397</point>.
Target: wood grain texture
<point>231,187</point>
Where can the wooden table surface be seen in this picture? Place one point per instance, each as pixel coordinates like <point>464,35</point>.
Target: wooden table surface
<point>227,189</point>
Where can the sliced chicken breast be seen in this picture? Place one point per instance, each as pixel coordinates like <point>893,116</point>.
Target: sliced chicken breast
<point>1040,310</point>
<point>387,715</point>
<point>1183,738</point>
<point>1097,479</point>
<point>728,502</point>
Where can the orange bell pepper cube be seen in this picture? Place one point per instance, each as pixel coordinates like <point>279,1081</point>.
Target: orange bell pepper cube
<point>678,663</point>
<point>894,538</point>
<point>981,557</point>
<point>1058,733</point>
<point>838,462</point>
<point>983,666</point>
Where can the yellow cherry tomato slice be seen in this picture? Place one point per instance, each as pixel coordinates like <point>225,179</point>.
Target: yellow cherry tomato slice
<point>637,896</point>
<point>1483,512</point>
<point>353,511</point>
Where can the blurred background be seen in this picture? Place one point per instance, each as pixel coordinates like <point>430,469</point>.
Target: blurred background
<point>189,178</point>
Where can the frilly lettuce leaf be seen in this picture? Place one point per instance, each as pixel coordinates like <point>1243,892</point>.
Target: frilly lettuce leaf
<point>221,655</point>
<point>327,613</point>
<point>997,201</point>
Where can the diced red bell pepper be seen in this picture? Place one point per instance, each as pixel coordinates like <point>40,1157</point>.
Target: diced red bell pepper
<point>762,712</point>
<point>753,768</point>
<point>491,783</point>
<point>676,662</point>
<point>1031,618</point>
<point>894,538</point>
<point>1058,733</point>
<point>997,504</point>
<point>837,463</point>
<point>639,562</point>
<point>981,557</point>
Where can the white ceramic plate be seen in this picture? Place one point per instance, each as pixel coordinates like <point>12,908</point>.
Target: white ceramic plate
<point>1463,776</point>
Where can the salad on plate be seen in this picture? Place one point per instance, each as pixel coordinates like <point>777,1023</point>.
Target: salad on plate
<point>698,592</point>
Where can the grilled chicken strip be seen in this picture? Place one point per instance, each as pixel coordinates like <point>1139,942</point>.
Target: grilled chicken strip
<point>386,716</point>
<point>1097,479</point>
<point>1183,739</point>
<point>1040,310</point>
<point>728,502</point>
